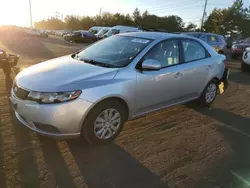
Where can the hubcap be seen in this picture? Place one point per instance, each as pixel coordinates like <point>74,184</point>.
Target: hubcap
<point>210,93</point>
<point>107,123</point>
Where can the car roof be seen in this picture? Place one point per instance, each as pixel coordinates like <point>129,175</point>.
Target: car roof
<point>153,35</point>
<point>200,33</point>
<point>123,26</point>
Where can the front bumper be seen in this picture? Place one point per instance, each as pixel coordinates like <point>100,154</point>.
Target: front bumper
<point>62,120</point>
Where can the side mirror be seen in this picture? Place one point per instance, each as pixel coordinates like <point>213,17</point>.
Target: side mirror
<point>151,64</point>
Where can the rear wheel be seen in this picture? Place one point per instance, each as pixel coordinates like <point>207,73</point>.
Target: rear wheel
<point>104,122</point>
<point>209,94</point>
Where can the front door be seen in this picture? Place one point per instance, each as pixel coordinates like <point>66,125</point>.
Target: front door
<point>161,88</point>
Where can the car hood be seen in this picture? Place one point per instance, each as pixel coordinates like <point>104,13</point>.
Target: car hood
<point>63,74</point>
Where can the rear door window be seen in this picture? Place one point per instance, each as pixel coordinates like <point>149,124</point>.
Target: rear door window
<point>193,50</point>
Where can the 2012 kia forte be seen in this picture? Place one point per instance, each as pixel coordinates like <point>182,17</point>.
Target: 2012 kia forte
<point>96,90</point>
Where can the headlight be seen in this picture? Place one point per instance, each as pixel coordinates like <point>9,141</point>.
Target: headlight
<point>41,97</point>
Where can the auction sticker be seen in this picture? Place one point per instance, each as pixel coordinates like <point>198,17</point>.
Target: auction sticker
<point>144,41</point>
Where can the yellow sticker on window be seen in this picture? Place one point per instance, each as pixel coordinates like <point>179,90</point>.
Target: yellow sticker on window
<point>170,61</point>
<point>212,38</point>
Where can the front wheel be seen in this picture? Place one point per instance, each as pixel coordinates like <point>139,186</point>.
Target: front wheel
<point>209,94</point>
<point>104,122</point>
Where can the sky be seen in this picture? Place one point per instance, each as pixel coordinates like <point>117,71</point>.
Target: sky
<point>17,11</point>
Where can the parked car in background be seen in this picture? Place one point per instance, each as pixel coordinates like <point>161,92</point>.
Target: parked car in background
<point>101,33</point>
<point>80,36</point>
<point>95,29</point>
<point>245,65</point>
<point>37,32</point>
<point>239,47</point>
<point>121,29</point>
<point>218,42</point>
<point>95,91</point>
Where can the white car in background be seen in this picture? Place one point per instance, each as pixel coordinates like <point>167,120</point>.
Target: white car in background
<point>245,65</point>
<point>102,32</point>
<point>121,29</point>
<point>95,29</point>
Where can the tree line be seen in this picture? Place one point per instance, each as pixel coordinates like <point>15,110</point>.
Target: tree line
<point>227,21</point>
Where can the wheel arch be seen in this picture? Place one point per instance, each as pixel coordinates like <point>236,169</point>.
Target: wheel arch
<point>115,98</point>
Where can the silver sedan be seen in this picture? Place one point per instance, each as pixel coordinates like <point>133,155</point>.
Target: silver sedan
<point>96,90</point>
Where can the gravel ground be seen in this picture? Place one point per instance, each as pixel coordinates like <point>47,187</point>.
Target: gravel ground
<point>183,146</point>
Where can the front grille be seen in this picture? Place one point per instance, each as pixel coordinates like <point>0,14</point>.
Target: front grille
<point>20,93</point>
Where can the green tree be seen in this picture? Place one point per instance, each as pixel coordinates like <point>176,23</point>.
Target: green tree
<point>73,22</point>
<point>51,23</point>
<point>191,27</point>
<point>229,21</point>
<point>137,17</point>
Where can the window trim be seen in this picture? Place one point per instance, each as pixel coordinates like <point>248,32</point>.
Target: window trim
<point>138,65</point>
<point>207,54</point>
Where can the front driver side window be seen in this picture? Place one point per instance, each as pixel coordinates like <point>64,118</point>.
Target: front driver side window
<point>193,50</point>
<point>166,52</point>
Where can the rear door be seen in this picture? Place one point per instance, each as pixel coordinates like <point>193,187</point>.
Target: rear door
<point>195,68</point>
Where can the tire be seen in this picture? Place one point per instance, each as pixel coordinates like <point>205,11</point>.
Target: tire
<point>206,101</point>
<point>245,67</point>
<point>90,129</point>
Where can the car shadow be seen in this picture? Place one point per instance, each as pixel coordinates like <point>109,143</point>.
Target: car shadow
<point>105,166</point>
<point>236,130</point>
<point>110,166</point>
<point>240,77</point>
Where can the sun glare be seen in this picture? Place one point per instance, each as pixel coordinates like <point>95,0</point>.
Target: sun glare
<point>14,15</point>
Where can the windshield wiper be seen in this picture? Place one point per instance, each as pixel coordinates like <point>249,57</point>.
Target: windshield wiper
<point>97,63</point>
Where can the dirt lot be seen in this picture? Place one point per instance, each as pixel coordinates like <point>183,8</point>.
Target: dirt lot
<point>184,146</point>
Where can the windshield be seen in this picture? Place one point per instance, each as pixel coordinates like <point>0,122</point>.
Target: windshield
<point>111,31</point>
<point>116,51</point>
<point>102,31</point>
